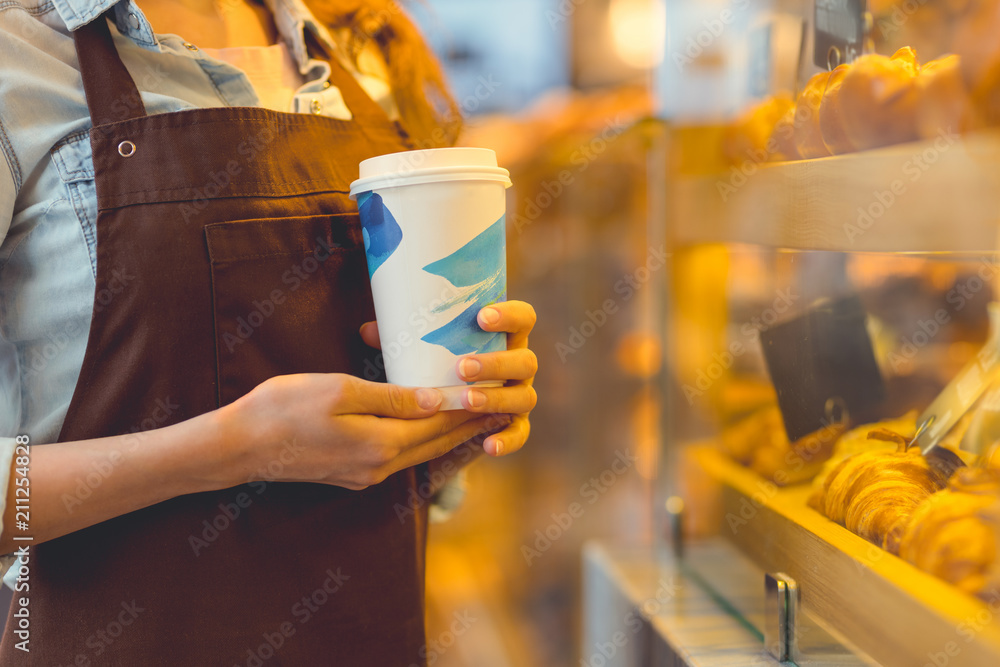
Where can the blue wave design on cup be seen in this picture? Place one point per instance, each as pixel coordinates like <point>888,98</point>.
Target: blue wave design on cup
<point>480,268</point>
<point>380,230</point>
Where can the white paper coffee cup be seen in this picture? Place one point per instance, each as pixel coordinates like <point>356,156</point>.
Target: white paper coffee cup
<point>435,236</point>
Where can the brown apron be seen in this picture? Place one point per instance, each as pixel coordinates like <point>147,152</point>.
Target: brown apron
<point>228,253</point>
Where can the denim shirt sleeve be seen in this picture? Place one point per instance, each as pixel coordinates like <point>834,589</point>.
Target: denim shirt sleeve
<point>6,459</point>
<point>7,189</point>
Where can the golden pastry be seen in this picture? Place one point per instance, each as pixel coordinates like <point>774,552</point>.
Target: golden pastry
<point>760,442</point>
<point>785,462</point>
<point>808,135</point>
<point>857,441</point>
<point>783,138</point>
<point>879,99</point>
<point>975,40</point>
<point>762,429</point>
<point>952,535</point>
<point>873,494</point>
<point>945,104</point>
<point>748,139</point>
<point>831,118</point>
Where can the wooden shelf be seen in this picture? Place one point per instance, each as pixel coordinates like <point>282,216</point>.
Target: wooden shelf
<point>892,611</point>
<point>946,199</point>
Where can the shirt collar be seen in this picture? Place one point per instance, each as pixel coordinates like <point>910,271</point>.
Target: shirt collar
<point>291,17</point>
<point>76,13</point>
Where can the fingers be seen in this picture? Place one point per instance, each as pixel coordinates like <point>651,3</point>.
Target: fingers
<point>514,317</point>
<point>446,442</point>
<point>517,399</point>
<point>521,364</point>
<point>369,334</point>
<point>360,397</point>
<point>510,439</point>
<point>451,463</point>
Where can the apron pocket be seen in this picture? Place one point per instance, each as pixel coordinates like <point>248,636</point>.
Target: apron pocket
<point>289,296</point>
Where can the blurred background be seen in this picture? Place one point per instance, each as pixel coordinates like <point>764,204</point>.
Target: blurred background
<point>559,89</point>
<point>566,92</point>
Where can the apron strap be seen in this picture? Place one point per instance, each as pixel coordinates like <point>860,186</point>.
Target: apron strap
<point>111,92</point>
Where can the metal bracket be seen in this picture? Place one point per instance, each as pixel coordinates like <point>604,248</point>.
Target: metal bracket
<point>675,520</point>
<point>781,607</point>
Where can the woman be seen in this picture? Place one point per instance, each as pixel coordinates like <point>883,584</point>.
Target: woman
<point>207,501</point>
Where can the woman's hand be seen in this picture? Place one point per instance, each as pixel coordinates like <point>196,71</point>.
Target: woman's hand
<point>331,429</point>
<point>516,367</point>
<point>340,430</point>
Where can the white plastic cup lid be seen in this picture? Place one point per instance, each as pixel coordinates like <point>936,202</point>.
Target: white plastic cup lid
<point>434,165</point>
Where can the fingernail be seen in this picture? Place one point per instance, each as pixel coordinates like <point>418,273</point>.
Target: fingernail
<point>428,399</point>
<point>469,368</point>
<point>498,447</point>
<point>489,316</point>
<point>477,399</point>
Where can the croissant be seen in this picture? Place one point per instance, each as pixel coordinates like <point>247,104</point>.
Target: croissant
<point>750,137</point>
<point>760,442</point>
<point>952,535</point>
<point>945,103</point>
<point>831,117</point>
<point>878,98</point>
<point>874,494</point>
<point>808,135</point>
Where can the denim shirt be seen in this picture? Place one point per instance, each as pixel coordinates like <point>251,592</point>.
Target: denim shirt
<point>48,202</point>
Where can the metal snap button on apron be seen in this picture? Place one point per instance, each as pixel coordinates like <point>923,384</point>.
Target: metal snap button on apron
<point>316,107</point>
<point>126,149</point>
<point>190,47</point>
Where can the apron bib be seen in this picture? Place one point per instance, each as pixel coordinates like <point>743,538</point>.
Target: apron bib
<point>231,254</point>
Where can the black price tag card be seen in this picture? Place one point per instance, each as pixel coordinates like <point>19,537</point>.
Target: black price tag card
<point>822,365</point>
<point>839,31</point>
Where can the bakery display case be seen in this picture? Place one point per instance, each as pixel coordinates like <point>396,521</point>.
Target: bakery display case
<point>829,476</point>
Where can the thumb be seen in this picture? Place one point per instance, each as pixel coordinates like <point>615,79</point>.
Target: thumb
<point>387,400</point>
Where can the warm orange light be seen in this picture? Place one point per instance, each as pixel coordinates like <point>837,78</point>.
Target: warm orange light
<point>639,31</point>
